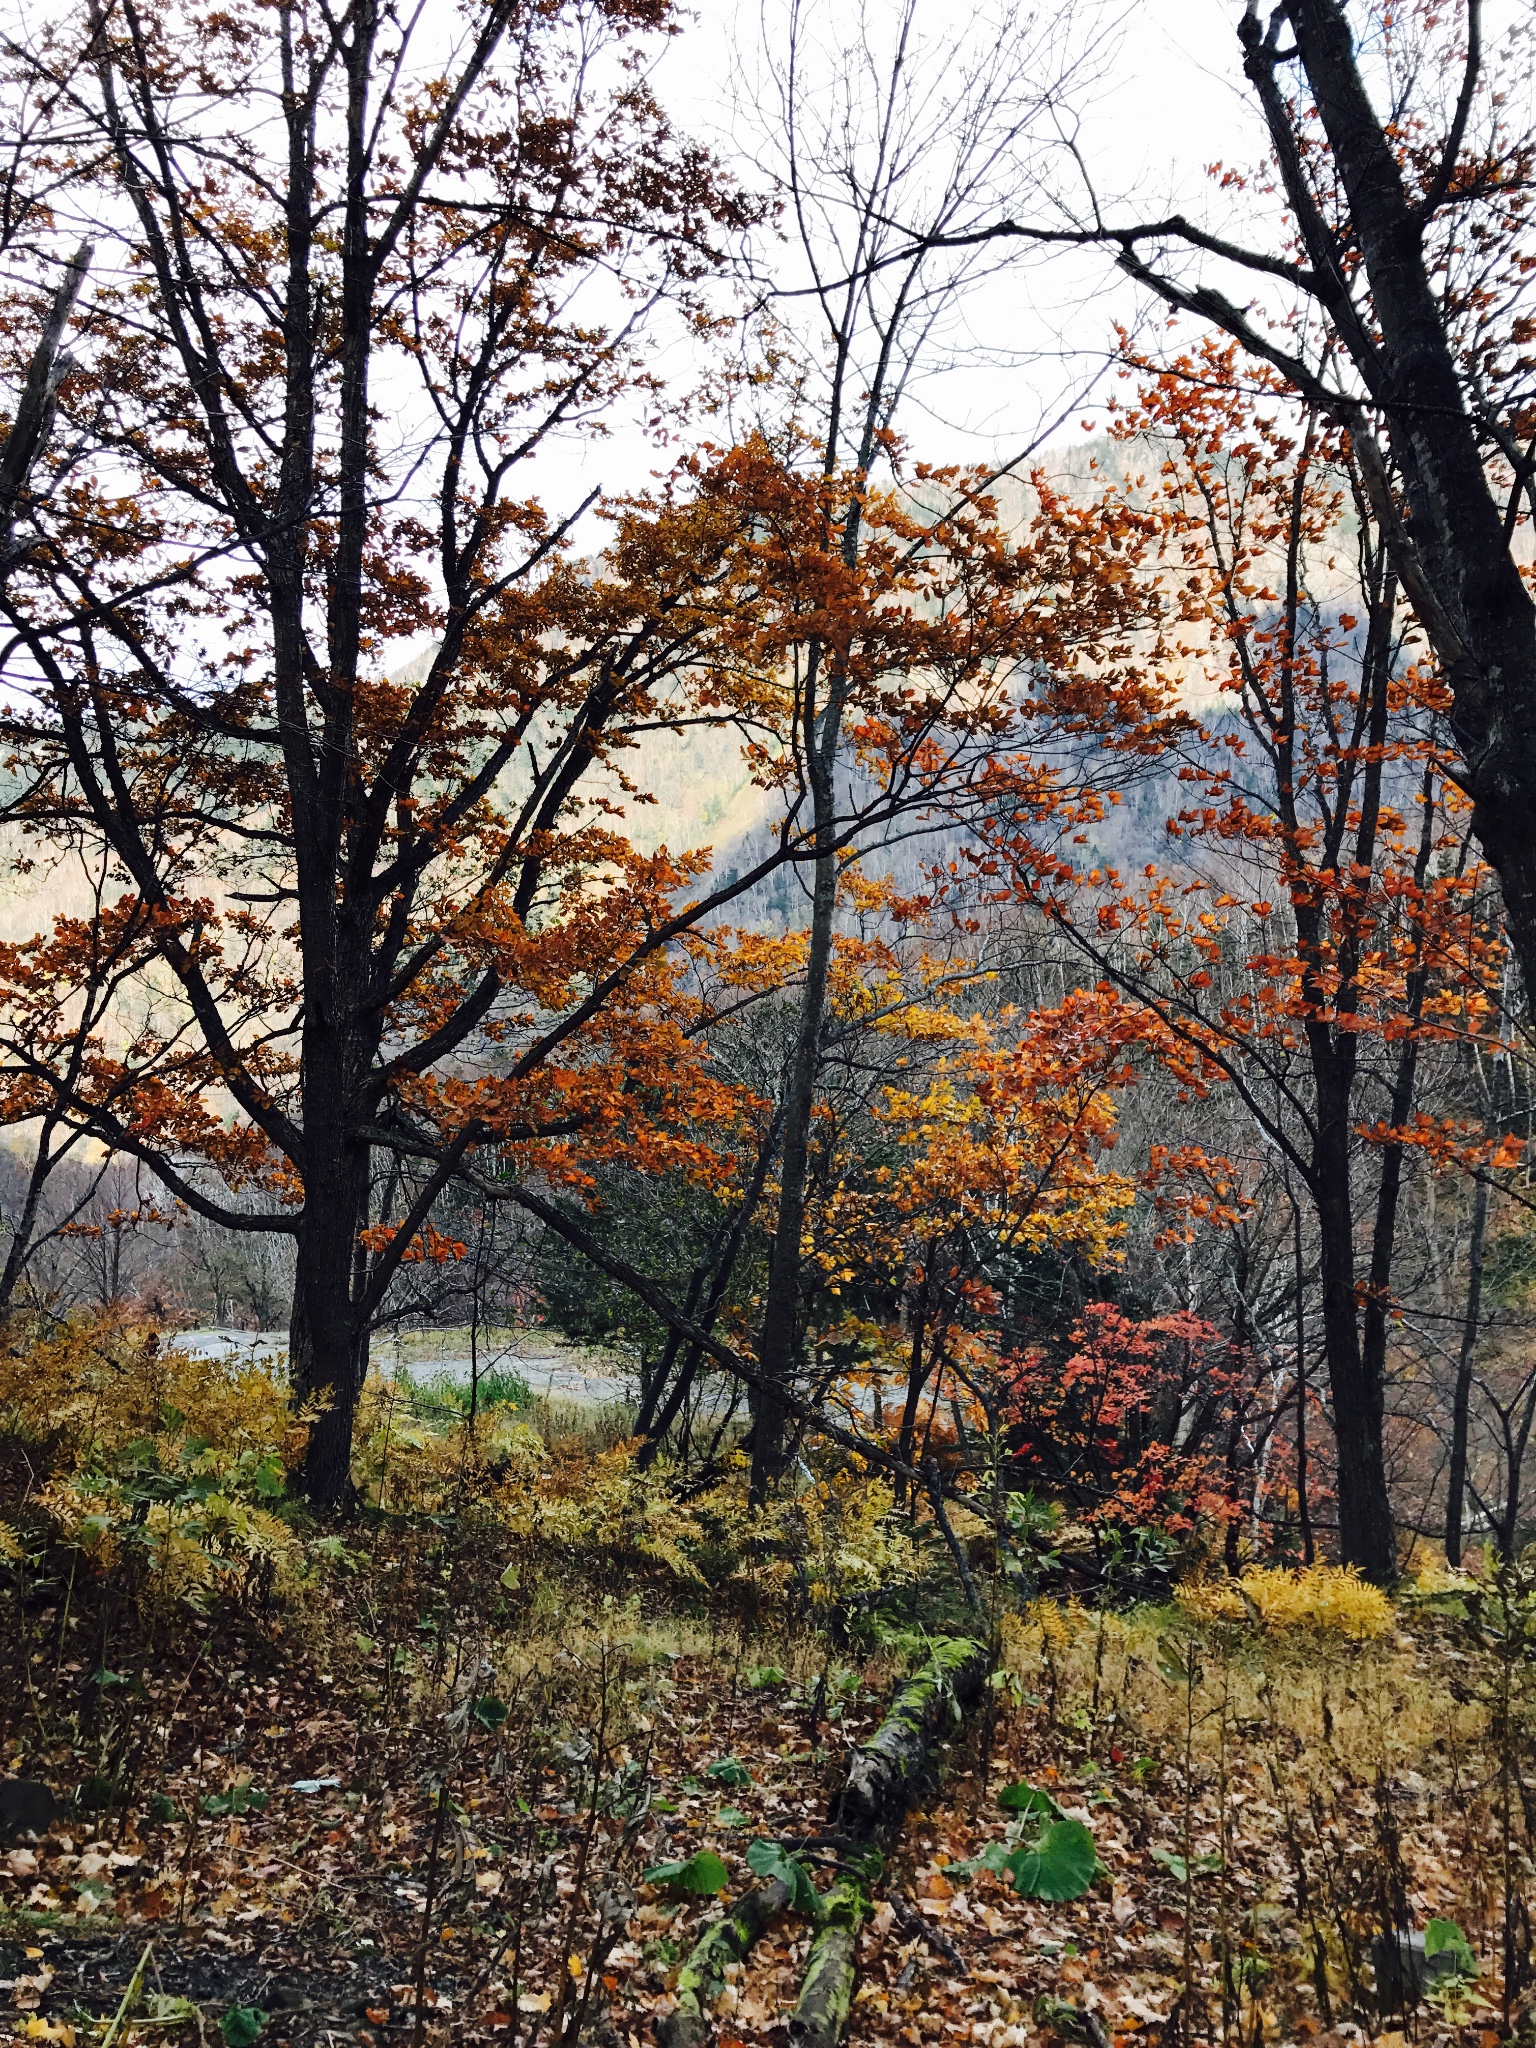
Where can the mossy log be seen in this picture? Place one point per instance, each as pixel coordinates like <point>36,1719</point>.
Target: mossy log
<point>826,1991</point>
<point>702,1978</point>
<point>886,1769</point>
<point>881,1780</point>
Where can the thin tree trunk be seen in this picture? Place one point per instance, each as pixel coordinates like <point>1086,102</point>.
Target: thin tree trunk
<point>659,1410</point>
<point>25,1226</point>
<point>1367,1537</point>
<point>906,1435</point>
<point>781,1337</point>
<point>1461,1404</point>
<point>1303,1506</point>
<point>656,1430</point>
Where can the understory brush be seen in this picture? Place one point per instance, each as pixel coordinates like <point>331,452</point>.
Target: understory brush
<point>480,1758</point>
<point>413,1764</point>
<point>1312,1804</point>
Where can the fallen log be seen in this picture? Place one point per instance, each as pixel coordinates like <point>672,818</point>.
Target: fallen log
<point>703,1977</point>
<point>885,1769</point>
<point>881,1779</point>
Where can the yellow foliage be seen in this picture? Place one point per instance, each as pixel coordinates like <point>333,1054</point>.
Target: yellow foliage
<point>839,1537</point>
<point>93,1387</point>
<point>1433,1579</point>
<point>170,1469</point>
<point>1322,1599</point>
<point>1043,1625</point>
<point>604,1503</point>
<point>150,1453</point>
<point>852,1541</point>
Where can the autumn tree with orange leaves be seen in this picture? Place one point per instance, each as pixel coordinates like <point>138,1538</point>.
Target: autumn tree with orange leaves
<point>924,649</point>
<point>1316,924</point>
<point>996,1147</point>
<point>1377,265</point>
<point>326,309</point>
<point>400,936</point>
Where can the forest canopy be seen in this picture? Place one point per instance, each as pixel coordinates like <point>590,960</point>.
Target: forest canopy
<point>1151,786</point>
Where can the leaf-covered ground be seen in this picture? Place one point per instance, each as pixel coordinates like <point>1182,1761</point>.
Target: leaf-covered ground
<point>299,1852</point>
<point>306,1884</point>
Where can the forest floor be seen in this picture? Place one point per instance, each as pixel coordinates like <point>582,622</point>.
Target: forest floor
<point>307,1865</point>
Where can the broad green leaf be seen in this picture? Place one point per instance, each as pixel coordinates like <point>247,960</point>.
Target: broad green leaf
<point>729,1817</point>
<point>768,1859</point>
<point>1176,1668</point>
<point>1061,1865</point>
<point>994,1857</point>
<point>489,1711</point>
<point>764,1674</point>
<point>268,1478</point>
<point>1022,1798</point>
<point>728,1770</point>
<point>703,1874</point>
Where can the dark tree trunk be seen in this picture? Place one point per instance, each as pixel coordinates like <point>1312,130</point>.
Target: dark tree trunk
<point>655,1430</point>
<point>1367,1536</point>
<point>24,1229</point>
<point>1461,1402</point>
<point>917,1374</point>
<point>1303,1504</point>
<point>1455,556</point>
<point>328,1334</point>
<point>782,1332</point>
<point>278,455</point>
<point>661,1406</point>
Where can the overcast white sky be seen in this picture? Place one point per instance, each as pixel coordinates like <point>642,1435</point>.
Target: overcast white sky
<point>1171,102</point>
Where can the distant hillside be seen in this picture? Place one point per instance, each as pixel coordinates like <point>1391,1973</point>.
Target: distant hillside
<point>704,796</point>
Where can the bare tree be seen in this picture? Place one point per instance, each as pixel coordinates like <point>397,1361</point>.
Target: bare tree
<point>901,121</point>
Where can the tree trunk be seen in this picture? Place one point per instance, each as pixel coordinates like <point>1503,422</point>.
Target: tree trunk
<point>906,1435</point>
<point>1366,1532</point>
<point>1303,1505</point>
<point>781,1337</point>
<point>328,1334</point>
<point>25,1227</point>
<point>1455,555</point>
<point>1461,1405</point>
<point>655,1430</point>
<point>1367,1536</point>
